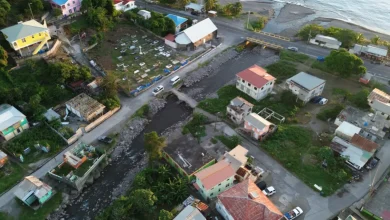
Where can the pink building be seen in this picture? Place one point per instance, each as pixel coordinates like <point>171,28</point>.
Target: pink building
<point>68,7</point>
<point>257,125</point>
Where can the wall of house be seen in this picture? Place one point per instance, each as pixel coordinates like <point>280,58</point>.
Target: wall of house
<point>252,91</point>
<point>205,39</point>
<point>12,131</point>
<point>170,43</point>
<point>234,116</point>
<point>70,7</point>
<point>222,210</point>
<point>256,133</point>
<point>216,190</point>
<point>46,197</point>
<point>304,95</point>
<point>100,120</point>
<point>95,114</point>
<point>32,39</point>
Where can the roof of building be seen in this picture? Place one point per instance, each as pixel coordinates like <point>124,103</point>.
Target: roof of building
<point>2,155</point>
<point>143,12</point>
<point>122,1</point>
<point>256,76</point>
<point>215,174</point>
<point>357,156</point>
<point>377,50</point>
<point>170,37</point>
<point>30,185</point>
<point>257,121</point>
<point>85,104</point>
<point>51,115</point>
<point>327,39</point>
<point>200,30</point>
<point>9,115</point>
<point>236,157</point>
<point>364,143</point>
<point>245,201</point>
<point>194,6</point>
<point>60,2</point>
<point>23,29</point>
<point>379,95</point>
<point>348,129</point>
<point>306,80</point>
<point>240,105</point>
<point>177,19</point>
<point>381,106</point>
<point>183,39</point>
<point>190,213</point>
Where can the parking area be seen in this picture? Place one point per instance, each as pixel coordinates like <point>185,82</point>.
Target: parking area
<point>135,56</point>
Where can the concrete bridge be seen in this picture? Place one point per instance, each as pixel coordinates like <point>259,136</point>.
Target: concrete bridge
<point>185,98</point>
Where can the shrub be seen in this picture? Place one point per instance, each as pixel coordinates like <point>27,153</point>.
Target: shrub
<point>330,113</point>
<point>230,142</point>
<point>196,126</point>
<point>282,70</point>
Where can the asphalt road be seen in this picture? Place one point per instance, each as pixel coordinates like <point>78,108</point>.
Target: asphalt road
<point>234,32</point>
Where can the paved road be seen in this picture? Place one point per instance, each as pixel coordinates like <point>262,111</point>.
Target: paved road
<point>236,32</point>
<point>129,106</point>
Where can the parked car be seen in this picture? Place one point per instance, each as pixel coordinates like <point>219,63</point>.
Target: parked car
<point>316,99</point>
<point>372,163</point>
<point>168,66</point>
<point>269,191</point>
<point>105,139</point>
<point>323,101</point>
<point>262,185</point>
<point>321,59</point>
<point>293,214</point>
<point>142,64</point>
<point>295,49</point>
<point>158,90</point>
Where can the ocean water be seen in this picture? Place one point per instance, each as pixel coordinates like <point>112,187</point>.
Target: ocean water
<point>371,14</point>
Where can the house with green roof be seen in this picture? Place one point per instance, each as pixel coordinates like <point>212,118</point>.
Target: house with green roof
<point>29,34</point>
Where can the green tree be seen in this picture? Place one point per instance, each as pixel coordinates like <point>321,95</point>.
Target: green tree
<point>36,6</point>
<point>359,99</point>
<point>154,145</point>
<point>98,18</point>
<point>310,29</point>
<point>5,7</point>
<point>143,200</point>
<point>345,63</point>
<point>57,12</point>
<point>183,3</point>
<point>210,4</point>
<point>111,103</point>
<point>360,38</point>
<point>3,57</point>
<point>347,37</point>
<point>237,8</point>
<point>165,215</point>
<point>341,174</point>
<point>375,40</point>
<point>326,153</point>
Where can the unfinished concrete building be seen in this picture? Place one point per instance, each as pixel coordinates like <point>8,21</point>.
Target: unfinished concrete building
<point>85,107</point>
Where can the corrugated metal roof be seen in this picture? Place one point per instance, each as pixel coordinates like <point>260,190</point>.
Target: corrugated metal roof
<point>60,2</point>
<point>200,30</point>
<point>356,155</point>
<point>9,115</point>
<point>190,213</point>
<point>379,95</point>
<point>196,7</point>
<point>377,50</point>
<point>364,143</point>
<point>241,206</point>
<point>215,174</point>
<point>348,129</point>
<point>23,30</point>
<point>256,76</point>
<point>257,121</point>
<point>177,19</point>
<point>306,80</point>
<point>182,39</point>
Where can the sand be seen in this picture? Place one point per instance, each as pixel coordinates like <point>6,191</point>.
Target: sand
<point>292,12</point>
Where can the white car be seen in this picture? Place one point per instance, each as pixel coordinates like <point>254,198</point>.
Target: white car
<point>161,47</point>
<point>168,66</point>
<point>269,191</point>
<point>135,41</point>
<point>143,37</point>
<point>142,64</point>
<point>158,90</point>
<point>293,214</point>
<point>323,101</point>
<point>295,49</point>
<point>155,42</point>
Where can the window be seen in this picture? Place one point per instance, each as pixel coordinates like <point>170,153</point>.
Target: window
<point>227,179</point>
<point>262,88</point>
<point>249,84</point>
<point>219,190</point>
<point>219,184</point>
<point>255,88</point>
<point>24,40</point>
<point>40,34</point>
<point>227,185</point>
<point>70,10</point>
<point>271,83</point>
<point>15,44</point>
<point>68,4</point>
<point>74,2</point>
<point>211,194</point>
<point>32,36</point>
<point>243,81</point>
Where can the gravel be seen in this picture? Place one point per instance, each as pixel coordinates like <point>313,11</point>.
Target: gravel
<point>156,105</point>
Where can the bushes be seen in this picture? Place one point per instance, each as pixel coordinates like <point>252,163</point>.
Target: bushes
<point>293,56</point>
<point>259,24</point>
<point>142,112</point>
<point>360,99</point>
<point>282,70</point>
<point>196,126</point>
<point>158,23</point>
<point>230,142</point>
<point>330,113</point>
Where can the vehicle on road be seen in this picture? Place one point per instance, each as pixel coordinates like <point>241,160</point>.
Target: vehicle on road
<point>293,214</point>
<point>168,66</point>
<point>105,139</point>
<point>373,163</point>
<point>295,49</point>
<point>158,90</point>
<point>175,80</point>
<point>269,191</point>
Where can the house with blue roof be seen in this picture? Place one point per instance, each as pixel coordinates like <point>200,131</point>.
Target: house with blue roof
<point>180,22</point>
<point>67,7</point>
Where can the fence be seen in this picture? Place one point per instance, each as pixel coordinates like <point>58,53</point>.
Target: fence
<point>100,120</point>
<point>273,35</point>
<point>70,140</point>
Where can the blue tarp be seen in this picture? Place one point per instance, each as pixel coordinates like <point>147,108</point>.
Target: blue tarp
<point>176,67</point>
<point>320,58</point>
<point>184,63</point>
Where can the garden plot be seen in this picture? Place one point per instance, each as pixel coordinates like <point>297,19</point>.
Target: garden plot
<point>136,57</point>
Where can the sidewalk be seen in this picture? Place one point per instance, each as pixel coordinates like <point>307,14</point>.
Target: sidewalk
<point>129,106</point>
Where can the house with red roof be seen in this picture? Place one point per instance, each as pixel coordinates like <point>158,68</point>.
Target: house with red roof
<point>124,5</point>
<point>255,81</point>
<point>245,201</point>
<point>215,179</point>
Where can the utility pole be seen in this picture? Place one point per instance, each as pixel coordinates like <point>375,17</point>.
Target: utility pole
<point>373,180</point>
<point>247,23</point>
<point>32,15</point>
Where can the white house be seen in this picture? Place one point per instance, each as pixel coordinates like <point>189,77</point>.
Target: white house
<point>196,35</point>
<point>124,5</point>
<point>145,14</point>
<point>305,86</point>
<point>257,125</point>
<point>237,109</point>
<point>255,82</point>
<point>347,130</point>
<point>325,41</point>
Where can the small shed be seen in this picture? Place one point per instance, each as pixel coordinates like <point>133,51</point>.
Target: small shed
<point>347,130</point>
<point>194,7</point>
<point>51,115</point>
<point>212,13</point>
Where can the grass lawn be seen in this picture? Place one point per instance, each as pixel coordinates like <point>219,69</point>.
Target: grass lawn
<point>83,168</point>
<point>41,134</point>
<point>10,174</point>
<point>5,216</point>
<point>28,213</point>
<point>294,147</point>
<point>230,142</point>
<point>282,70</point>
<point>196,126</point>
<point>64,170</point>
<point>141,112</point>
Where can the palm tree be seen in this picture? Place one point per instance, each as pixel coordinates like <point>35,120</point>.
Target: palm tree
<point>210,4</point>
<point>360,38</point>
<point>237,8</point>
<point>375,40</point>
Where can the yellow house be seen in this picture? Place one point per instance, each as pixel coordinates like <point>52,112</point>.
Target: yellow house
<point>26,34</point>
